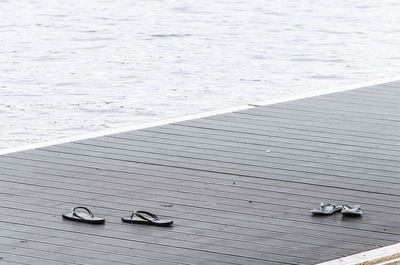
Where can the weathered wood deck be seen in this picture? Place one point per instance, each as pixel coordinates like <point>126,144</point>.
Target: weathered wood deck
<point>238,186</point>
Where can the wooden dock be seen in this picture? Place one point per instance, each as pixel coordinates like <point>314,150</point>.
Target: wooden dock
<point>239,187</point>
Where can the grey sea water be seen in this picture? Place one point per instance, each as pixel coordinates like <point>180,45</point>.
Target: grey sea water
<point>72,67</point>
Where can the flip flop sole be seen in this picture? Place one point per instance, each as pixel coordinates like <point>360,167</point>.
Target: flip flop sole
<point>353,214</point>
<point>144,222</point>
<point>322,213</point>
<point>319,212</point>
<point>94,220</point>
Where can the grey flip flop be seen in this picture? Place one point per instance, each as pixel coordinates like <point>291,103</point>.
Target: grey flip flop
<point>326,209</point>
<point>143,217</point>
<point>351,210</point>
<point>85,216</point>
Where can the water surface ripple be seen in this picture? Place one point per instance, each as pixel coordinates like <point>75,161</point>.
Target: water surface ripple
<point>71,67</point>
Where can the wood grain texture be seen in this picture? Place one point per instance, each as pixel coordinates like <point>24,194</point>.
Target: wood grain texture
<point>239,187</point>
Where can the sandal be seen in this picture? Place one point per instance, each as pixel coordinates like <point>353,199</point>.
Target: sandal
<point>326,209</point>
<point>352,210</point>
<point>81,216</point>
<point>143,217</point>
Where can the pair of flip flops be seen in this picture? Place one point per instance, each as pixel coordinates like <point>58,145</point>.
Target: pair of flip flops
<point>84,215</point>
<point>345,209</point>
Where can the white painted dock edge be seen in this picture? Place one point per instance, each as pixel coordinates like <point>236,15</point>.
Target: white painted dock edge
<point>389,255</point>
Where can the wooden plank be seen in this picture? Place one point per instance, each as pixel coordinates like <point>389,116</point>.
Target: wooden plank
<point>352,193</point>
<point>197,162</point>
<point>387,176</point>
<point>251,155</point>
<point>25,212</point>
<point>18,257</point>
<point>224,191</point>
<point>285,174</point>
<point>310,113</point>
<point>288,113</point>
<point>226,147</point>
<point>301,208</point>
<point>239,187</point>
<point>211,216</point>
<point>230,124</point>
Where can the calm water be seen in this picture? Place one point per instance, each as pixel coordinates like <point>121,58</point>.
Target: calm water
<point>71,67</point>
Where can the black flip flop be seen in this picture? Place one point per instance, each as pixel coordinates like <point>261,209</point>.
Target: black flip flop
<point>143,217</point>
<point>326,209</point>
<point>80,216</point>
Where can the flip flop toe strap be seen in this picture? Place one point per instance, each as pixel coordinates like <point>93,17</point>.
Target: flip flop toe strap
<point>76,214</point>
<point>328,205</point>
<point>142,215</point>
<point>346,206</point>
<point>353,208</point>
